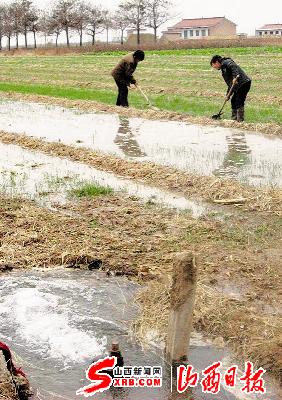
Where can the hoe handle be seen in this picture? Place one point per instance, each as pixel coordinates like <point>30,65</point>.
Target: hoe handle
<point>144,94</point>
<point>229,93</point>
<point>232,87</point>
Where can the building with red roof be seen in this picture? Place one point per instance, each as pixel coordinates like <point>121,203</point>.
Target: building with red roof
<point>197,28</point>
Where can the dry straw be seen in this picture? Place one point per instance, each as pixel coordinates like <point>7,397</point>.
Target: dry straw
<point>160,45</point>
<point>141,241</point>
<point>223,191</point>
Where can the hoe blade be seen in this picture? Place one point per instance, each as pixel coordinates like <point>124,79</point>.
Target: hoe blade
<point>217,116</point>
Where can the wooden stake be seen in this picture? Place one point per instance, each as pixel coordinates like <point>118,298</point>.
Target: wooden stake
<point>181,308</point>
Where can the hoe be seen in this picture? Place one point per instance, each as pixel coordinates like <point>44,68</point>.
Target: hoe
<point>146,98</point>
<point>218,116</point>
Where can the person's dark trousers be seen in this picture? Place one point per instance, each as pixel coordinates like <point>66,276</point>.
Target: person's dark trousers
<point>238,101</point>
<point>122,99</point>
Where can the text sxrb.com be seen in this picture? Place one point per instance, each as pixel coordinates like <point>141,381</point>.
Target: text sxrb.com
<point>105,374</point>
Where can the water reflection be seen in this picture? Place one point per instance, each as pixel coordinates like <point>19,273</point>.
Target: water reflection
<point>193,148</point>
<point>126,140</point>
<point>237,156</point>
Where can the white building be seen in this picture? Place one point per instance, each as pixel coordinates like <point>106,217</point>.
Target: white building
<point>269,30</point>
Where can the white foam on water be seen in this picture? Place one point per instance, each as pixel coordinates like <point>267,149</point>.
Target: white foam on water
<point>45,326</point>
<point>107,321</point>
<point>8,284</point>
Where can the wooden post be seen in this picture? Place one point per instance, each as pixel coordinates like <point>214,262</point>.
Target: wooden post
<point>181,308</point>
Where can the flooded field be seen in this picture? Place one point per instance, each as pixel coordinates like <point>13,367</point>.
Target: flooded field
<point>59,321</point>
<point>48,179</point>
<point>247,157</point>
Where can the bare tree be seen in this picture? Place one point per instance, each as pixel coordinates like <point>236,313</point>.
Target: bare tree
<point>54,29</point>
<point>120,23</point>
<point>49,26</point>
<point>26,14</point>
<point>2,21</point>
<point>135,13</point>
<point>43,24</point>
<point>8,23</point>
<point>34,24</point>
<point>95,21</point>
<point>21,17</point>
<point>64,16</point>
<point>81,18</point>
<point>16,14</point>
<point>157,14</point>
<point>107,23</point>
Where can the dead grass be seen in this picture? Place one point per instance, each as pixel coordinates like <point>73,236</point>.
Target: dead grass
<point>111,228</point>
<point>141,241</point>
<point>90,105</point>
<point>7,390</point>
<point>211,189</point>
<point>250,334</point>
<point>160,45</point>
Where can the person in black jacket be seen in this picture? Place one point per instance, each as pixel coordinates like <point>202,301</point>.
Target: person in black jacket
<point>230,70</point>
<point>114,352</point>
<point>123,75</point>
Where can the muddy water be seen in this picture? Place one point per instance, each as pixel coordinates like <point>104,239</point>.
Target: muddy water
<point>48,180</point>
<point>250,158</point>
<point>58,321</point>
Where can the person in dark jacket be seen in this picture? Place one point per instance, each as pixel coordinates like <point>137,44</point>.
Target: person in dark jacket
<point>123,75</point>
<point>230,70</point>
<point>115,352</point>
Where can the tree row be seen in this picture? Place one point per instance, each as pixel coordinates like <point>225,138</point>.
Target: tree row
<point>80,18</point>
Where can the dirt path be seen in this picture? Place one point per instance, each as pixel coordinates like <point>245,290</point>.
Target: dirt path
<point>211,189</point>
<point>90,105</point>
<point>141,241</point>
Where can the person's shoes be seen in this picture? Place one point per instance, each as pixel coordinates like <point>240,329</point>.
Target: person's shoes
<point>240,114</point>
<point>234,114</point>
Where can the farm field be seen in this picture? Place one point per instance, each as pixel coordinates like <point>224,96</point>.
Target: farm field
<point>136,235</point>
<point>97,202</point>
<point>179,81</point>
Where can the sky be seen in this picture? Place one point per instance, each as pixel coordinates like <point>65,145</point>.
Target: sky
<point>247,14</point>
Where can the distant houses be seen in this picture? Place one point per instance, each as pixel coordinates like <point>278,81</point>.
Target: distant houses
<point>200,28</point>
<point>269,30</point>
